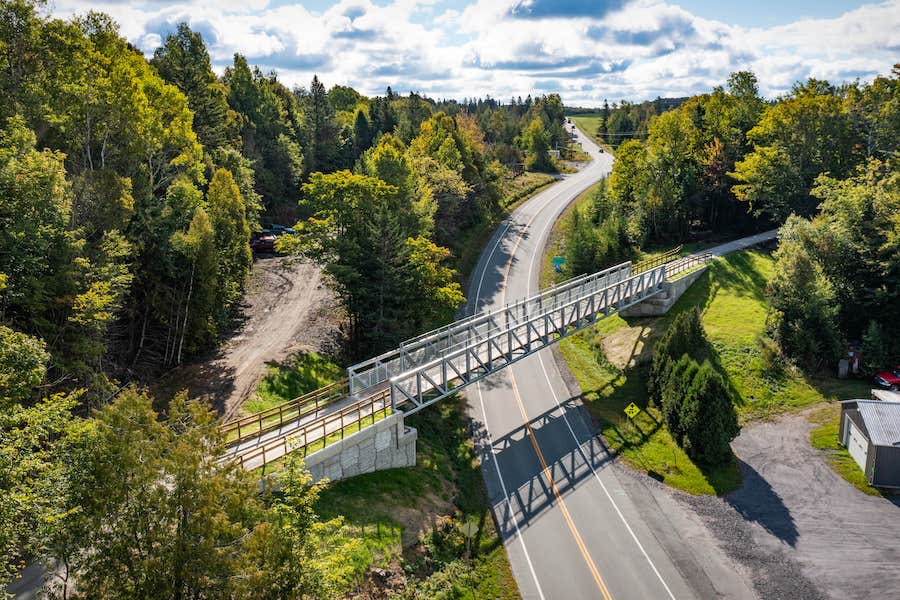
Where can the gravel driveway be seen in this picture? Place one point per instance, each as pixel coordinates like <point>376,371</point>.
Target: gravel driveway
<point>799,529</point>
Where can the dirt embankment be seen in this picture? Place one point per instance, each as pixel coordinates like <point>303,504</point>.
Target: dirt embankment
<point>287,309</point>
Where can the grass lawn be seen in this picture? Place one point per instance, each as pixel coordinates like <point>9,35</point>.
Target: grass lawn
<point>393,511</point>
<point>611,361</point>
<point>825,437</point>
<point>301,374</point>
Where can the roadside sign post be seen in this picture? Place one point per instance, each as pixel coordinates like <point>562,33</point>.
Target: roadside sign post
<point>631,411</point>
<point>558,262</point>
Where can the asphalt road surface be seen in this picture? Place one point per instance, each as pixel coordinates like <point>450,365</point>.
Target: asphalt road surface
<point>570,529</point>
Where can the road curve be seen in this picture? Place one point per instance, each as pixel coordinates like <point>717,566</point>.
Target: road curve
<point>569,527</point>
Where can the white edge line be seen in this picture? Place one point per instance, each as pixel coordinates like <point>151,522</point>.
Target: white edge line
<point>487,428</point>
<point>606,491</point>
<point>509,505</point>
<point>506,494</point>
<point>579,444</point>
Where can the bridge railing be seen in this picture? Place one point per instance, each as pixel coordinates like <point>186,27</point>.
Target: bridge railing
<point>251,426</point>
<point>425,384</point>
<point>459,334</point>
<point>655,261</point>
<point>688,263</point>
<point>317,434</point>
<point>515,331</point>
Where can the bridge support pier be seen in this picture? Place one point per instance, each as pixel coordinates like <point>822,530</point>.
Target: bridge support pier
<point>661,303</point>
<point>388,444</point>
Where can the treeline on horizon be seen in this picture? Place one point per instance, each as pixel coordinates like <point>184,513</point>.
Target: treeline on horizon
<point>626,120</point>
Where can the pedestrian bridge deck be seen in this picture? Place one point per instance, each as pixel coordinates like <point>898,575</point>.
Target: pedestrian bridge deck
<point>437,364</point>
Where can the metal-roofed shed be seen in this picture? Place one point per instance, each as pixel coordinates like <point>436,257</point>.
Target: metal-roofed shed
<point>870,430</point>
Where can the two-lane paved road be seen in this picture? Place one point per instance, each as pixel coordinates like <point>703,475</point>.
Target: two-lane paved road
<point>570,529</point>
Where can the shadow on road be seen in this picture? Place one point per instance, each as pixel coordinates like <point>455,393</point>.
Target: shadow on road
<point>757,501</point>
<point>524,475</point>
<point>491,283</point>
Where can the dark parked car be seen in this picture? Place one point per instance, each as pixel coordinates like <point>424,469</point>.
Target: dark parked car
<point>889,379</point>
<point>264,241</point>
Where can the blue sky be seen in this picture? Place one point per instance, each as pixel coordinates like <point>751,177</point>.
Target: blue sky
<point>587,50</point>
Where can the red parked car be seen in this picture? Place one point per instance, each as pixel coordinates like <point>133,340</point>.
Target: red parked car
<point>263,242</point>
<point>889,379</point>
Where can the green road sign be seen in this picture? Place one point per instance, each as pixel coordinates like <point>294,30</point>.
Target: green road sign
<point>631,410</point>
<point>469,529</point>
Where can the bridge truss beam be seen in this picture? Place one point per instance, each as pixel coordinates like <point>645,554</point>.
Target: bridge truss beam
<point>522,333</point>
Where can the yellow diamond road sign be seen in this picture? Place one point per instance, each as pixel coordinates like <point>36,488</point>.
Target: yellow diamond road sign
<point>631,410</point>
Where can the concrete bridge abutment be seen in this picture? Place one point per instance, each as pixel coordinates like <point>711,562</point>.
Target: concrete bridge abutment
<point>388,444</point>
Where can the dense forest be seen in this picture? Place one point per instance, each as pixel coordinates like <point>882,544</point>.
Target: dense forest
<point>129,191</point>
<point>821,161</point>
<point>131,188</point>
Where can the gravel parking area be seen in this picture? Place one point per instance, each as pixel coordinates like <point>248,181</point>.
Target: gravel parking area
<point>797,527</point>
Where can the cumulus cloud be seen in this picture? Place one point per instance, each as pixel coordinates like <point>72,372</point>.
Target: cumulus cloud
<point>588,50</point>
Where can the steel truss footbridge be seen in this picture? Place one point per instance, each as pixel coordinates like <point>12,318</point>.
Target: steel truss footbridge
<point>431,367</point>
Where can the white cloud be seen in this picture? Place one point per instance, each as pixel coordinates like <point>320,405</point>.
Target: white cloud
<point>586,49</point>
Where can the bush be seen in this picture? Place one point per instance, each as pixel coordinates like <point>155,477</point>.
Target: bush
<point>695,402</point>
<point>708,420</point>
<point>874,348</point>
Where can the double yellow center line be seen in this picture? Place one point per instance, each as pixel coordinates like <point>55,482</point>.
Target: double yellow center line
<point>579,541</point>
<point>562,505</point>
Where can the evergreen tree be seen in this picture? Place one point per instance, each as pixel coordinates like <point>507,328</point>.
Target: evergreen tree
<point>362,133</point>
<point>708,419</point>
<point>684,336</point>
<point>322,131</point>
<point>679,376</point>
<point>382,114</point>
<point>183,61</point>
<point>581,246</point>
<point>269,135</point>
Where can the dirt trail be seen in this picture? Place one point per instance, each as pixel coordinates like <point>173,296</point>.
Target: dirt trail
<point>287,308</point>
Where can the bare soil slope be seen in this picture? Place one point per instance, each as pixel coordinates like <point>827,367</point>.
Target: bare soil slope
<point>287,309</point>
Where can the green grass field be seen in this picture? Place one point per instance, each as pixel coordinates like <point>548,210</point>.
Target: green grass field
<point>301,373</point>
<point>588,124</point>
<point>610,362</point>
